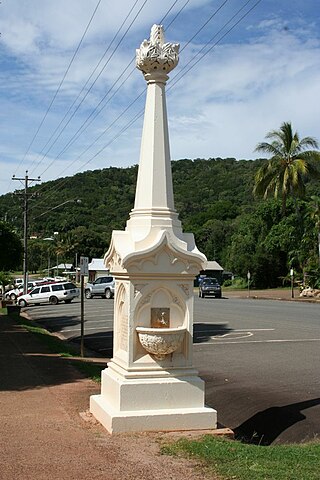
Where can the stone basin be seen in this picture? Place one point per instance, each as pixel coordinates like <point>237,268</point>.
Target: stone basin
<point>160,342</point>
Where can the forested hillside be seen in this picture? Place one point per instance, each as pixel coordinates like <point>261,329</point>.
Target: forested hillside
<point>213,198</point>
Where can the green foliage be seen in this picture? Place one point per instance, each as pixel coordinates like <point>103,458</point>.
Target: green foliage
<point>11,249</point>
<point>232,459</point>
<point>214,200</point>
<point>238,283</point>
<point>291,164</point>
<point>5,279</point>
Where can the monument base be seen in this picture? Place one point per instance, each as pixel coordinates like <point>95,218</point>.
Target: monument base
<point>151,420</point>
<point>142,404</point>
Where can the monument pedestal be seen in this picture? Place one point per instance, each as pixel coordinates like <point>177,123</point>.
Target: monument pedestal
<point>151,402</point>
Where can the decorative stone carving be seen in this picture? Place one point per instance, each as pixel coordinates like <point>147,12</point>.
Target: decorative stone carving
<point>138,288</point>
<point>155,55</point>
<point>160,342</point>
<point>146,299</point>
<point>185,288</point>
<point>113,259</point>
<point>122,307</point>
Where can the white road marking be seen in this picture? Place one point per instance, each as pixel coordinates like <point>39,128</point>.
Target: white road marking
<point>289,340</point>
<point>244,330</point>
<point>238,334</point>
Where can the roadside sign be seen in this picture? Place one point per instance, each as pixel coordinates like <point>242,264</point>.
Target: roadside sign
<point>84,266</point>
<point>84,270</point>
<point>291,272</point>
<point>248,275</point>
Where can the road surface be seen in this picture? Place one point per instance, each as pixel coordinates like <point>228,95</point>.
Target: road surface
<point>259,358</point>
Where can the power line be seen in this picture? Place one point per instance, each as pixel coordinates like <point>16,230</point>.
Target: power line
<point>79,132</point>
<point>204,25</point>
<point>96,112</point>
<point>86,83</point>
<point>134,119</point>
<point>60,84</point>
<point>216,43</point>
<point>95,80</point>
<point>176,15</point>
<point>83,127</point>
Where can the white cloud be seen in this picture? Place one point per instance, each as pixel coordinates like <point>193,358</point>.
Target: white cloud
<point>251,83</point>
<point>243,91</point>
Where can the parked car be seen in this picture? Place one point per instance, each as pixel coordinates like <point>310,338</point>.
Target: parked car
<point>50,293</point>
<point>16,292</point>
<point>101,287</point>
<point>13,293</point>
<point>210,286</point>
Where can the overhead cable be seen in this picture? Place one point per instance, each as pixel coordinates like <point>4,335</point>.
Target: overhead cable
<point>60,84</point>
<point>135,118</point>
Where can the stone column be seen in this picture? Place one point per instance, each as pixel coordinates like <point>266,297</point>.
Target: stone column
<point>150,383</point>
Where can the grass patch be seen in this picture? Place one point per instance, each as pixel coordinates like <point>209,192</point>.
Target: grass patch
<point>234,460</point>
<point>60,347</point>
<point>54,344</point>
<point>90,369</point>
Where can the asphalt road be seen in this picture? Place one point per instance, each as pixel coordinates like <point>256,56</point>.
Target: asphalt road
<point>259,358</point>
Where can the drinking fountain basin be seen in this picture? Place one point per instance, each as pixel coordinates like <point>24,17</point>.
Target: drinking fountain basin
<point>160,342</point>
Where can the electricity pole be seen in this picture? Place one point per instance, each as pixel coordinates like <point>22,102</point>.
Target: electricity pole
<point>25,181</point>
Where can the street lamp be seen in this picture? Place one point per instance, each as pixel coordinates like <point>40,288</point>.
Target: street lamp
<point>75,200</point>
<point>49,239</point>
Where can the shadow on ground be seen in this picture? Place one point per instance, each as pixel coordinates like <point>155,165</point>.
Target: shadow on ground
<point>102,343</point>
<point>202,332</point>
<point>56,324</point>
<point>265,426</point>
<point>27,363</point>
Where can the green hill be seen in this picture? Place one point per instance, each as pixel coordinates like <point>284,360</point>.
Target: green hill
<point>213,198</point>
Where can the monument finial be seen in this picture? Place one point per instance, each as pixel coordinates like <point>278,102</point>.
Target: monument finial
<point>155,55</point>
<point>157,35</point>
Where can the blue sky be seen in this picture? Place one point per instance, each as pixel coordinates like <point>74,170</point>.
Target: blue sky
<point>265,71</point>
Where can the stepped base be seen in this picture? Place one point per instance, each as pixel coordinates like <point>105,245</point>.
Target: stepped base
<point>202,418</point>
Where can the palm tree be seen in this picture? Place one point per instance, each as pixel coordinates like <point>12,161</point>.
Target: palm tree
<point>289,167</point>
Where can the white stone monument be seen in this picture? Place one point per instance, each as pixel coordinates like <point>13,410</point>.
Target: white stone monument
<point>150,383</point>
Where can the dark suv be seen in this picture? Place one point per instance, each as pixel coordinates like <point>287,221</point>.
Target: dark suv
<point>209,286</point>
<point>101,287</point>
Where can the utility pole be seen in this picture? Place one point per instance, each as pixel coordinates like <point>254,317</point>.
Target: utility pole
<point>25,181</point>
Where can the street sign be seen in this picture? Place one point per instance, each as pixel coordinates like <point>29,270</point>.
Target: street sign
<point>248,275</point>
<point>84,266</point>
<point>291,272</point>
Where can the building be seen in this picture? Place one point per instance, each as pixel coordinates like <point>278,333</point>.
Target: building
<point>212,269</point>
<point>97,268</point>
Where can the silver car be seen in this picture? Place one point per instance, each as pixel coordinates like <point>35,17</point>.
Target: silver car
<point>101,287</point>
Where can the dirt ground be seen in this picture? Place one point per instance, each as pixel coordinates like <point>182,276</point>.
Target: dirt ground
<point>271,293</point>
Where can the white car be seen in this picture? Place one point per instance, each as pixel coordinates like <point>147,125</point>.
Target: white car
<point>16,292</point>
<point>13,293</point>
<point>51,293</point>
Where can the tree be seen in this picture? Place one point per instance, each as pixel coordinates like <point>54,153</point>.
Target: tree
<point>5,279</point>
<point>10,248</point>
<point>314,210</point>
<point>291,164</point>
